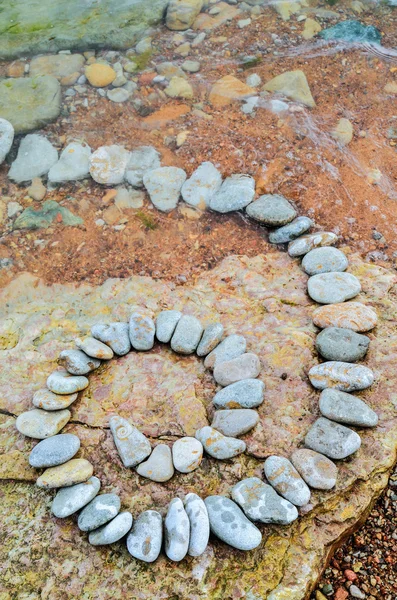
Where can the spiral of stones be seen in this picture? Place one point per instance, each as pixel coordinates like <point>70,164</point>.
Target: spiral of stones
<point>287,481</point>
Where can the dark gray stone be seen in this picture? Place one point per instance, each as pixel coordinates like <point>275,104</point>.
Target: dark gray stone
<point>336,343</point>
<point>54,451</point>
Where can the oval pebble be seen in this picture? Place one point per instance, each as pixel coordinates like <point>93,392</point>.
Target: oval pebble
<point>176,531</point>
<point>62,382</point>
<point>245,366</point>
<point>187,335</point>
<point>212,336</point>
<point>272,210</point>
<point>199,524</point>
<point>332,439</point>
<point>159,466</point>
<point>115,335</point>
<point>94,348</point>
<point>235,422</point>
<point>316,469</point>
<point>332,288</point>
<point>41,424</point>
<point>218,445</point>
<point>54,451</point>
<point>305,243</point>
<point>204,182</point>
<point>113,531</point>
<point>229,524</point>
<point>286,480</point>
<point>77,362</point>
<point>260,502</point>
<point>231,347</point>
<point>246,393</point>
<point>70,499</point>
<point>336,343</point>
<point>132,446</point>
<point>346,408</point>
<point>142,330</point>
<point>289,232</point>
<point>146,536</point>
<point>99,511</point>
<point>324,260</point>
<point>74,471</point>
<point>49,401</point>
<point>350,315</point>
<point>341,375</point>
<point>166,322</point>
<point>108,164</point>
<point>235,193</point>
<point>187,454</point>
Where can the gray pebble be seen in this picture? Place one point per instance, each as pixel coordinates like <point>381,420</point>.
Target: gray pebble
<point>305,243</point>
<point>199,524</point>
<point>332,288</point>
<point>260,502</point>
<point>145,538</point>
<point>142,332</point>
<point>316,469</point>
<point>218,445</point>
<point>94,348</point>
<point>132,446</point>
<point>289,232</point>
<point>36,155</point>
<point>245,366</point>
<point>247,393</point>
<point>55,450</point>
<point>286,480</point>
<point>166,322</point>
<point>229,524</point>
<point>70,499</point>
<point>99,511</point>
<point>334,440</point>
<point>191,66</point>
<point>142,160</point>
<point>272,210</point>
<point>62,382</point>
<point>77,362</point>
<point>235,422</point>
<point>40,424</point>
<point>49,401</point>
<point>324,260</point>
<point>164,186</point>
<point>73,163</point>
<point>6,138</point>
<point>203,184</point>
<point>187,335</point>
<point>159,466</point>
<point>187,453</point>
<point>341,375</point>
<point>356,592</point>
<point>231,347</point>
<point>336,343</point>
<point>115,335</point>
<point>212,335</point>
<point>112,531</point>
<point>346,408</point>
<point>234,194</point>
<point>176,531</point>
<point>118,95</point>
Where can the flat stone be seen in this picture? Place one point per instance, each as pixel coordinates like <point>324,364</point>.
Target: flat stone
<point>347,409</point>
<point>182,13</point>
<point>166,322</point>
<point>176,531</point>
<point>352,315</point>
<point>245,366</point>
<point>187,335</point>
<point>40,424</point>
<point>324,260</point>
<point>187,454</point>
<point>231,347</point>
<point>113,531</point>
<point>355,592</point>
<point>246,393</point>
<point>272,210</point>
<point>212,336</point>
<point>203,184</point>
<point>199,524</point>
<point>47,400</point>
<point>164,186</point>
<point>99,511</point>
<point>54,451</point>
<point>142,330</point>
<point>305,243</point>
<point>132,446</point>
<point>286,480</point>
<point>6,138</point>
<point>289,232</point>
<point>142,160</point>
<point>115,335</point>
<point>229,89</point>
<point>70,499</point>
<point>235,422</point>
<point>159,466</point>
<point>229,524</point>
<point>74,471</point>
<point>118,95</point>
<point>235,193</point>
<point>316,469</point>
<point>332,288</point>
<point>36,156</point>
<point>341,375</point>
<point>146,536</point>
<point>292,84</point>
<point>191,66</point>
<point>62,382</point>
<point>336,343</point>
<point>58,65</point>
<point>78,362</point>
<point>332,439</point>
<point>169,70</point>
<point>218,445</point>
<point>343,132</point>
<point>94,348</point>
<point>73,164</point>
<point>108,164</point>
<point>49,214</point>
<point>260,502</point>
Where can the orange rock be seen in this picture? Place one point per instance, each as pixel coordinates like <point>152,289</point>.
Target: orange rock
<point>100,75</point>
<point>166,114</point>
<point>350,575</point>
<point>16,69</point>
<point>341,594</point>
<point>226,90</point>
<point>108,197</point>
<point>351,315</point>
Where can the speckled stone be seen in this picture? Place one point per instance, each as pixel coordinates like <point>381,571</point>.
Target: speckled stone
<point>94,348</point>
<point>332,288</point>
<point>218,445</point>
<point>76,362</point>
<point>199,524</point>
<point>245,366</point>
<point>289,232</point>
<point>142,160</point>
<point>113,531</point>
<point>132,446</point>
<point>70,499</point>
<point>166,322</point>
<point>142,330</point>
<point>99,511</point>
<point>176,531</point>
<point>145,538</point>
<point>115,335</point>
<point>234,194</point>
<point>286,480</point>
<point>346,408</point>
<point>351,315</point>
<point>62,382</point>
<point>187,453</point>
<point>187,335</point>
<point>272,210</point>
<point>260,502</point>
<point>212,336</point>
<point>316,469</point>
<point>324,260</point>
<point>229,524</point>
<point>235,422</point>
<point>341,375</point>
<point>336,343</point>
<point>54,451</point>
<point>305,243</point>
<point>231,347</point>
<point>40,424</point>
<point>202,185</point>
<point>74,471</point>
<point>50,401</point>
<point>247,393</point>
<point>332,439</point>
<point>159,466</point>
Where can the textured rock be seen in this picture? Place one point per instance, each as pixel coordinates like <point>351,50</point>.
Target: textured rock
<point>142,331</point>
<point>305,243</point>
<point>50,213</point>
<point>231,347</point>
<point>247,393</point>
<point>289,232</point>
<point>142,160</point>
<point>245,366</point>
<point>212,336</point>
<point>187,453</point>
<point>203,184</point>
<point>219,446</point>
<point>324,260</point>
<point>227,90</point>
<point>164,186</point>
<point>159,466</point>
<point>108,164</point>
<point>112,531</point>
<point>54,451</point>
<point>353,315</point>
<point>340,375</point>
<point>6,138</point>
<point>70,499</point>
<point>94,348</point>
<point>61,66</point>
<point>272,210</point>
<point>74,471</point>
<point>336,343</point>
<point>333,288</point>
<point>286,480</point>
<point>115,335</point>
<point>317,470</point>
<point>36,155</point>
<point>352,31</point>
<point>176,531</point>
<point>199,524</point>
<point>178,87</point>
<point>99,511</point>
<point>260,502</point>
<point>73,163</point>
<point>187,335</point>
<point>40,424</point>
<point>334,440</point>
<point>165,324</point>
<point>144,540</point>
<point>235,422</point>
<point>345,408</point>
<point>294,85</point>
<point>182,13</point>
<point>234,194</point>
<point>132,446</point>
<point>229,524</point>
<point>118,94</point>
<point>76,362</point>
<point>343,132</point>
<point>62,382</point>
<point>47,400</point>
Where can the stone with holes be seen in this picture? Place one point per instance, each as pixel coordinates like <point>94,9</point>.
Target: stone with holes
<point>229,524</point>
<point>146,536</point>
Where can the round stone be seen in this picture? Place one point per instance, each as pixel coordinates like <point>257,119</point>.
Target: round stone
<point>132,446</point>
<point>286,480</point>
<point>187,335</point>
<point>199,524</point>
<point>202,186</point>
<point>324,260</point>
<point>247,393</point>
<point>108,164</point>
<point>77,362</point>
<point>146,536</point>
<point>40,424</point>
<point>70,499</point>
<point>113,531</point>
<point>341,375</point>
<point>332,439</point>
<point>331,288</point>
<point>231,347</point>
<point>212,335</point>
<point>260,502</point>
<point>272,210</point>
<point>187,454</point>
<point>159,466</point>
<point>176,531</point>
<point>99,511</point>
<point>229,524</point>
<point>166,322</point>
<point>235,422</point>
<point>336,343</point>
<point>289,232</point>
<point>62,382</point>
<point>305,243</point>
<point>218,445</point>
<point>142,160</point>
<point>94,348</point>
<point>54,451</point>
<point>164,186</point>
<point>316,469</point>
<point>115,335</point>
<point>142,331</point>
<point>345,408</point>
<point>72,472</point>
<point>100,75</point>
<point>352,315</point>
<point>235,193</point>
<point>50,401</point>
<point>245,366</point>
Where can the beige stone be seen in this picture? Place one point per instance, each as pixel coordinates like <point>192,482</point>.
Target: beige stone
<point>37,190</point>
<point>100,75</point>
<point>292,84</point>
<point>343,132</point>
<point>182,13</point>
<point>178,87</point>
<point>285,8</point>
<point>47,400</point>
<point>349,315</point>
<point>228,89</point>
<point>74,471</point>
<point>65,67</point>
<point>310,29</point>
<point>40,424</point>
<point>391,87</point>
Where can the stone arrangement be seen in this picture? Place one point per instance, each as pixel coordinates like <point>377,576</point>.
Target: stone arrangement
<point>287,481</point>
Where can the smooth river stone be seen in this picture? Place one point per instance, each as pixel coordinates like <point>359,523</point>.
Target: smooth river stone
<point>324,260</point>
<point>332,439</point>
<point>187,454</point>
<point>336,343</point>
<point>204,182</point>
<point>316,469</point>
<point>346,408</point>
<point>142,330</point>
<point>113,531</point>
<point>218,445</point>
<point>132,446</point>
<point>235,422</point>
<point>94,348</point>
<point>70,499</point>
<point>199,524</point>
<point>74,471</point>
<point>272,210</point>
<point>289,232</point>
<point>352,315</point>
<point>99,511</point>
<point>247,393</point>
<point>260,502</point>
<point>231,347</point>
<point>54,451</point>
<point>159,466</point>
<point>212,336</point>
<point>76,362</point>
<point>166,322</point>
<point>50,401</point>
<point>304,244</point>
<point>341,375</point>
<point>229,523</point>
<point>286,480</point>
<point>187,335</point>
<point>115,335</point>
<point>40,424</point>
<point>331,288</point>
<point>245,366</point>
<point>234,194</point>
<point>62,382</point>
<point>145,538</point>
<point>164,186</point>
<point>176,531</point>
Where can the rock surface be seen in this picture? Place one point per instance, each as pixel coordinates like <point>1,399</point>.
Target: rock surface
<point>333,288</point>
<point>182,13</point>
<point>260,502</point>
<point>228,523</point>
<point>345,408</point>
<point>164,186</point>
<point>36,156</point>
<point>340,375</point>
<point>336,343</point>
<point>43,218</point>
<point>332,439</point>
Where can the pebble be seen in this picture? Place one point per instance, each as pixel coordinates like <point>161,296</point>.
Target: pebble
<point>235,422</point>
<point>132,446</point>
<point>229,524</point>
<point>70,499</point>
<point>159,466</point>
<point>352,315</point>
<point>332,439</point>
<point>54,451</point>
<point>260,502</point>
<point>356,592</point>
<point>115,335</point>
<point>204,182</point>
<point>212,335</point>
<point>253,80</point>
<point>231,347</point>
<point>199,524</point>
<point>246,393</point>
<point>176,531</point>
<point>118,94</point>
<point>178,87</point>
<point>142,330</point>
<point>304,244</point>
<point>272,210</point>
<point>6,138</point>
<point>341,375</point>
<point>166,322</point>
<point>108,164</point>
<point>94,348</point>
<point>73,164</point>
<point>77,362</point>
<point>191,66</point>
<point>289,232</point>
<point>113,531</point>
<point>142,160</point>
<point>74,471</point>
<point>324,260</point>
<point>62,382</point>
<point>187,335</point>
<point>99,511</point>
<point>50,401</point>
<point>245,366</point>
<point>187,453</point>
<point>100,75</point>
<point>36,155</point>
<point>218,445</point>
<point>146,536</point>
<point>164,186</point>
<point>40,424</point>
<point>37,189</point>
<point>336,343</point>
<point>235,193</point>
<point>332,288</point>
<point>286,480</point>
<point>346,408</point>
<point>316,469</point>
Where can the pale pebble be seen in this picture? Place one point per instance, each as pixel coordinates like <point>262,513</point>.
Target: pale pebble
<point>115,335</point>
<point>54,451</point>
<point>99,511</point>
<point>229,524</point>
<point>40,424</point>
<point>235,422</point>
<point>218,445</point>
<point>231,347</point>
<point>260,502</point>
<point>142,330</point>
<point>113,531</point>
<point>146,536</point>
<point>176,531</point>
<point>332,439</point>
<point>70,499</point>
<point>286,480</point>
<point>187,335</point>
<point>187,453</point>
<point>246,393</point>
<point>245,366</point>
<point>199,524</point>
<point>159,466</point>
<point>317,470</point>
<point>132,446</point>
